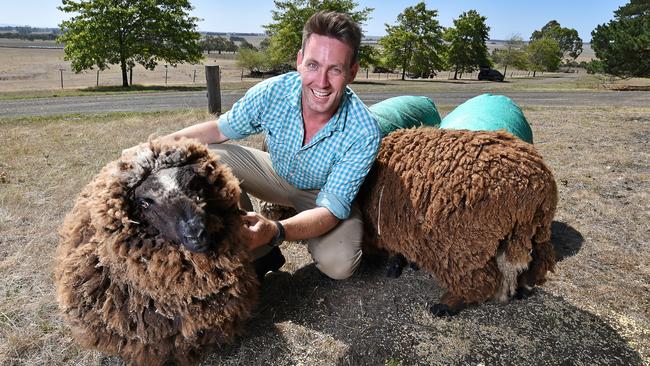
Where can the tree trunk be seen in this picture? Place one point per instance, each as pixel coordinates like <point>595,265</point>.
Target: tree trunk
<point>505,71</point>
<point>403,73</point>
<point>456,73</point>
<point>534,71</point>
<point>125,80</point>
<point>130,76</point>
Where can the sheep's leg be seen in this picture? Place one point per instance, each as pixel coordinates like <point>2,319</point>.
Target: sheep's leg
<point>396,265</point>
<point>474,287</point>
<point>543,261</point>
<point>449,305</point>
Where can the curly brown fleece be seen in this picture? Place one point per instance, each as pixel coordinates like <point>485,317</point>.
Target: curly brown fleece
<point>474,208</point>
<point>125,290</point>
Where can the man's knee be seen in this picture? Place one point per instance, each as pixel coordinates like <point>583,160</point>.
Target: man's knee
<point>338,267</point>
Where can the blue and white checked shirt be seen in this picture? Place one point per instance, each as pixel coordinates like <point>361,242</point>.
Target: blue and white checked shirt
<point>336,160</point>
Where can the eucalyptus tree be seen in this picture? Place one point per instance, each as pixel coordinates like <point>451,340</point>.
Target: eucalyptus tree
<point>129,32</point>
<point>415,43</point>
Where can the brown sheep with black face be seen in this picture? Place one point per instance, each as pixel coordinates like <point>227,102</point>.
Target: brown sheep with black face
<point>149,265</point>
<point>473,208</point>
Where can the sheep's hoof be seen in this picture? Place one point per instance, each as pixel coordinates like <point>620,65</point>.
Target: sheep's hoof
<point>441,310</point>
<point>396,265</point>
<point>271,262</point>
<point>414,266</point>
<point>524,293</point>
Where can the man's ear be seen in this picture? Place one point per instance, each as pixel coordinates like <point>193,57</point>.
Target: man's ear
<point>299,58</point>
<point>353,71</point>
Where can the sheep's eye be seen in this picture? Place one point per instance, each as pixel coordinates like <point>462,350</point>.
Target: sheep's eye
<point>197,198</point>
<point>144,202</point>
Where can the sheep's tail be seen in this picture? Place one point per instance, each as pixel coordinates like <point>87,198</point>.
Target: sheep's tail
<point>543,257</point>
<point>527,255</point>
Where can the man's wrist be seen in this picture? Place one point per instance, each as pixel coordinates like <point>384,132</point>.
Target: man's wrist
<point>278,238</point>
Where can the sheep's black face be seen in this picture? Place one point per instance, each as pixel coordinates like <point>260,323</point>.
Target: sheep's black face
<point>172,201</point>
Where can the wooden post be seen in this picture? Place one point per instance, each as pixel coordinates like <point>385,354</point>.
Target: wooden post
<point>165,74</point>
<point>212,78</point>
<point>97,78</point>
<point>61,70</point>
<point>194,77</point>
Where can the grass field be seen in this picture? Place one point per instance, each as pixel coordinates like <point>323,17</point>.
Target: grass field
<point>28,69</point>
<point>594,310</point>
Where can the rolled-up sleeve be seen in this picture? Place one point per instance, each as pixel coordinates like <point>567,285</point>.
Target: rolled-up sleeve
<point>348,174</point>
<point>244,118</point>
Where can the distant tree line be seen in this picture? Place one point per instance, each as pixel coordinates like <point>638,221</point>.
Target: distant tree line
<point>131,32</point>
<point>29,33</point>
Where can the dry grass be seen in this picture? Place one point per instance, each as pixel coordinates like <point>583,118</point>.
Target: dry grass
<point>594,309</point>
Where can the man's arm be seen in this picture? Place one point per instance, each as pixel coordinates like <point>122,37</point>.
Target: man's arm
<point>305,225</point>
<point>207,132</point>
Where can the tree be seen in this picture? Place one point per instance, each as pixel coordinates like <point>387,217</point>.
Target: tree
<point>569,43</point>
<point>623,44</point>
<point>415,44</point>
<point>244,44</point>
<point>285,33</point>
<point>252,60</point>
<point>513,54</point>
<point>543,55</point>
<point>129,32</point>
<point>467,43</point>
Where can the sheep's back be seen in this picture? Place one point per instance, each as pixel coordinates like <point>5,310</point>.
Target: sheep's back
<point>445,198</point>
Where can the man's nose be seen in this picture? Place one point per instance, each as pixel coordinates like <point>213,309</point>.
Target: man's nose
<point>323,78</point>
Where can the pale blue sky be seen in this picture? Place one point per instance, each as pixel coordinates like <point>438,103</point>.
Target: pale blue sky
<point>505,17</point>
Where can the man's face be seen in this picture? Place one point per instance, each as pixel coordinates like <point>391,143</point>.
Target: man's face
<point>325,67</point>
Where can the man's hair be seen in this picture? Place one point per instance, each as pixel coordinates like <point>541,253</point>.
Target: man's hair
<point>339,26</point>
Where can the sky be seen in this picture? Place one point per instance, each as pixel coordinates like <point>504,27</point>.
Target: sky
<point>504,17</point>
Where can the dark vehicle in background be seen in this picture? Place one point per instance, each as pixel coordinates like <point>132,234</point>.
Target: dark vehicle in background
<point>490,74</point>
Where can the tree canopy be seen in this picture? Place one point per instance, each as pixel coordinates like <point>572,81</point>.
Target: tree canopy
<point>569,42</point>
<point>129,32</point>
<point>415,44</point>
<point>623,44</point>
<point>285,32</point>
<point>513,54</point>
<point>467,42</point>
<point>543,55</point>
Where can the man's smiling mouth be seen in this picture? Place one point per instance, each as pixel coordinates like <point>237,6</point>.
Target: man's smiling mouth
<point>320,94</point>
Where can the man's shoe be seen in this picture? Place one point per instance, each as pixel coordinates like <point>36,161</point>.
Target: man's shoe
<point>271,262</point>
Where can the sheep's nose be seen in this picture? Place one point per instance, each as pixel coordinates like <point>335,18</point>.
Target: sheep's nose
<point>193,233</point>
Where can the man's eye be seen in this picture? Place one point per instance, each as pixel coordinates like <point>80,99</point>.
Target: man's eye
<point>336,71</point>
<point>312,66</point>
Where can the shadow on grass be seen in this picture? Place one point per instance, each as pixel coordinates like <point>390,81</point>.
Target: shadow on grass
<point>140,88</point>
<point>566,240</point>
<point>307,318</point>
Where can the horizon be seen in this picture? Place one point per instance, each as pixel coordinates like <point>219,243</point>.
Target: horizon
<point>503,17</point>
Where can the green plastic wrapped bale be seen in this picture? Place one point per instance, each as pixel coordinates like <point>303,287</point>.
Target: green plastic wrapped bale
<point>404,112</point>
<point>488,112</point>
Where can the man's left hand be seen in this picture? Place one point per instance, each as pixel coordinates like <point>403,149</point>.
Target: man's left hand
<point>257,230</point>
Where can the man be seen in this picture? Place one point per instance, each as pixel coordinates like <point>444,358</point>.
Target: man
<point>322,142</point>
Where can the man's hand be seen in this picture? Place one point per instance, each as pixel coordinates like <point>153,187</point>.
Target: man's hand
<point>257,230</point>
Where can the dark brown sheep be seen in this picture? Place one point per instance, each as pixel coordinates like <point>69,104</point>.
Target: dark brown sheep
<point>148,265</point>
<point>473,208</point>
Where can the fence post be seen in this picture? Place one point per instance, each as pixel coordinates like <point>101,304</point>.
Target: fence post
<point>212,78</point>
<point>194,77</point>
<point>61,70</point>
<point>97,85</point>
<point>165,74</point>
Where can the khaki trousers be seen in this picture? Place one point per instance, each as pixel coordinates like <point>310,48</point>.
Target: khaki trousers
<point>337,253</point>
